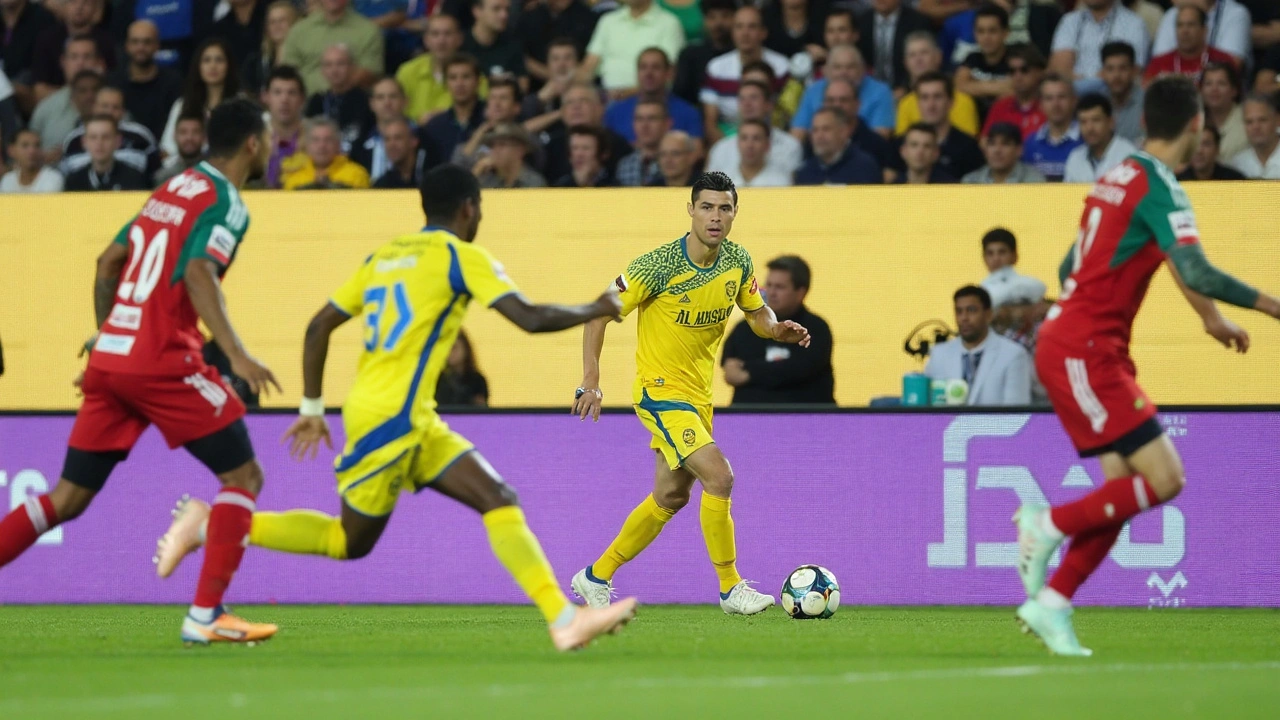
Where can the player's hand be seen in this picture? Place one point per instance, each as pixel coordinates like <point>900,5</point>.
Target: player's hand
<point>735,372</point>
<point>789,331</point>
<point>258,376</point>
<point>588,403</point>
<point>1231,335</point>
<point>304,437</point>
<point>611,304</point>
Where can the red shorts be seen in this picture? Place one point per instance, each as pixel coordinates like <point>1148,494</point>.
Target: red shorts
<point>118,408</point>
<point>1094,391</point>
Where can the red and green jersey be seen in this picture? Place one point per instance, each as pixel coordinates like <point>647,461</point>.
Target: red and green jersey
<point>1134,216</point>
<point>153,328</point>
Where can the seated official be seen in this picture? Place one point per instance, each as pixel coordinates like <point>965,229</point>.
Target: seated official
<point>996,369</point>
<point>104,172</point>
<point>767,371</point>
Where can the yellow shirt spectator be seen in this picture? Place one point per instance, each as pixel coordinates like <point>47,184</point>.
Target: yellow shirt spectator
<point>342,173</point>
<point>425,92</point>
<point>964,113</point>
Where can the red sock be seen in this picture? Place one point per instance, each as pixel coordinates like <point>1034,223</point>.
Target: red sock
<point>1085,554</point>
<point>1112,504</point>
<point>21,528</point>
<point>225,540</point>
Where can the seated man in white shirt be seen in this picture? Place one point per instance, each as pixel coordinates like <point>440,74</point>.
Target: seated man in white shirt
<point>755,102</point>
<point>754,168</point>
<point>29,174</point>
<point>1261,160</point>
<point>1005,284</point>
<point>996,369</point>
<point>1103,149</point>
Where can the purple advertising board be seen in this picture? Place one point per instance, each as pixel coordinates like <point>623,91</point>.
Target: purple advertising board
<point>904,508</point>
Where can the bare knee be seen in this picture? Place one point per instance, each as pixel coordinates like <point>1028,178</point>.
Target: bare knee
<point>672,499</point>
<point>495,494</point>
<point>1167,485</point>
<point>358,546</point>
<point>70,500</point>
<point>719,483</point>
<point>247,477</point>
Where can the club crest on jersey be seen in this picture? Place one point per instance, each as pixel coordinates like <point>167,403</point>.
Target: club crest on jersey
<point>690,437</point>
<point>731,288</point>
<point>755,287</point>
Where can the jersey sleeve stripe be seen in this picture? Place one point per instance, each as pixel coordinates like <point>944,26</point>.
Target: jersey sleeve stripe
<point>456,281</point>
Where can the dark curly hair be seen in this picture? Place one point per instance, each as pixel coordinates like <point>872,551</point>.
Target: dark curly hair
<point>716,182</point>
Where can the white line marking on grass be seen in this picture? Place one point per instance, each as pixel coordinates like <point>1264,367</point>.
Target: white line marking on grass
<point>240,700</point>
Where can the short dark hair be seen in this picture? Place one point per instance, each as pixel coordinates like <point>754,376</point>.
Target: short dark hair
<point>507,82</point>
<point>1028,54</point>
<point>564,41</point>
<point>82,38</point>
<point>1171,103</point>
<point>192,117</point>
<point>712,5</point>
<point>768,91</point>
<point>287,73</point>
<point>1117,48</point>
<point>995,11</point>
<point>714,182</point>
<point>231,124</point>
<point>24,131</point>
<point>935,76</point>
<point>796,267</point>
<point>853,19</point>
<point>923,127</point>
<point>1271,100</point>
<point>1233,74</point>
<point>1002,236</point>
<point>659,103</point>
<point>1201,15</point>
<point>759,65</point>
<point>83,75</point>
<point>1094,101</point>
<point>1053,77</point>
<point>756,122</point>
<point>839,114</point>
<point>666,59</point>
<point>445,190</point>
<point>115,126</point>
<point>1212,131</point>
<point>603,147</point>
<point>461,58</point>
<point>983,296</point>
<point>1005,131</point>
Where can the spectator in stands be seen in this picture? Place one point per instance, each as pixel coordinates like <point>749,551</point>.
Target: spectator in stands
<point>581,107</point>
<point>465,114</point>
<point>1150,12</point>
<point>1047,148</point>
<point>1004,284</point>
<point>884,39</point>
<point>719,95</point>
<point>333,22</point>
<point>653,75</point>
<point>619,38</point>
<point>677,154</point>
<point>1002,147</point>
<point>137,147</point>
<point>103,172</point>
<point>651,124</point>
<point>1192,53</point>
<point>753,168</point>
<point>323,166</point>
<point>766,371</point>
<point>794,27</point>
<point>1022,108</point>
<point>387,104</point>
<point>78,19</point>
<point>1220,88</point>
<point>345,103</point>
<point>1228,24</point>
<point>844,62</point>
<point>402,156</point>
<point>1103,148</point>
<point>242,28</point>
<point>281,16</point>
<point>1261,161</point>
<point>588,158</point>
<point>502,107</point>
<point>423,77</point>
<point>1030,23</point>
<point>149,89</point>
<point>21,23</point>
<point>920,152</point>
<point>761,72</point>
<point>561,68</point>
<point>959,153</point>
<point>924,57</point>
<point>549,22</point>
<point>838,28</point>
<point>190,138</point>
<point>504,165</point>
<point>836,160</point>
<point>1120,75</point>
<point>1204,164</point>
<point>210,80</point>
<point>689,15</point>
<point>755,103</point>
<point>1078,41</point>
<point>985,74</point>
<point>285,94</point>
<point>388,15</point>
<point>29,173</point>
<point>717,30</point>
<point>841,94</point>
<point>996,369</point>
<point>1268,78</point>
<point>461,383</point>
<point>56,115</point>
<point>496,50</point>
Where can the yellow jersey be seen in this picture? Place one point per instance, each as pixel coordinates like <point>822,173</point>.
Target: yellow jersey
<point>684,310</point>
<point>413,293</point>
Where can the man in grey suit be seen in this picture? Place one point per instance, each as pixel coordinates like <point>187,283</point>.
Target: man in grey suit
<point>997,369</point>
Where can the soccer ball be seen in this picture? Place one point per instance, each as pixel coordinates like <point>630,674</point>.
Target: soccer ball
<point>811,591</point>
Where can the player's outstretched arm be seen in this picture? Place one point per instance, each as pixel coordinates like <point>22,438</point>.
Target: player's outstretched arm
<point>1202,277</point>
<point>588,398</point>
<point>107,279</point>
<point>1221,329</point>
<point>310,429</point>
<point>765,324</point>
<point>552,318</point>
<point>205,291</point>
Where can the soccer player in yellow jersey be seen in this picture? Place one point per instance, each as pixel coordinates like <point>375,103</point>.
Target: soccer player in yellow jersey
<point>685,291</point>
<point>413,293</point>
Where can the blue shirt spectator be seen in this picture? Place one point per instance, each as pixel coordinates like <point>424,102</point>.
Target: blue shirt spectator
<point>1049,156</point>
<point>875,99</point>
<point>684,117</point>
<point>836,160</point>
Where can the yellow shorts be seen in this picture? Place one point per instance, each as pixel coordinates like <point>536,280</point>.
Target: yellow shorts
<point>371,482</point>
<point>679,428</point>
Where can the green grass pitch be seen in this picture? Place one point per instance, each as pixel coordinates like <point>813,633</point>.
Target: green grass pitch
<point>672,662</point>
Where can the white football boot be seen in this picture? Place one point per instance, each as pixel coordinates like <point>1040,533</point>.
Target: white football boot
<point>596,593</point>
<point>742,599</point>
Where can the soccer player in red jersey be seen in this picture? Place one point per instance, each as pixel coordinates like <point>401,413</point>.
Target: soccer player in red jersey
<point>155,281</point>
<point>1135,219</point>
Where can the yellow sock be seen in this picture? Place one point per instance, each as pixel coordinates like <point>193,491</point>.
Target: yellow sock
<point>519,552</point>
<point>641,528</point>
<point>717,531</point>
<point>305,532</point>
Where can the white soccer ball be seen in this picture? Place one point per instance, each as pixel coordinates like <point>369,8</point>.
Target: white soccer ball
<point>811,592</point>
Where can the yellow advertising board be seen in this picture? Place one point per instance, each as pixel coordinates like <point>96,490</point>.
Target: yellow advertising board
<point>884,259</point>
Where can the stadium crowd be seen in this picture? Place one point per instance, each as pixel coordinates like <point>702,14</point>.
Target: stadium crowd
<point>113,94</point>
